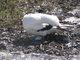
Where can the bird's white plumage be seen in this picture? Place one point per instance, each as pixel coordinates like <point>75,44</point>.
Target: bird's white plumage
<point>36,21</point>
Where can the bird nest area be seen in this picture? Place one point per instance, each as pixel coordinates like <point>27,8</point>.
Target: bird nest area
<point>52,44</point>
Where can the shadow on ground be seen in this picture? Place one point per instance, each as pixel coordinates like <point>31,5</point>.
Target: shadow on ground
<point>37,40</point>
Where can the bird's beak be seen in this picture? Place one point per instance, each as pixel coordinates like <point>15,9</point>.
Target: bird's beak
<point>63,28</point>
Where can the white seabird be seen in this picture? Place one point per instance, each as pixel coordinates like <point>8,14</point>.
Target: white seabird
<point>40,24</point>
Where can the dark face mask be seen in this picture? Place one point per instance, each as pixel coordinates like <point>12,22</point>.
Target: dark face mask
<point>47,27</point>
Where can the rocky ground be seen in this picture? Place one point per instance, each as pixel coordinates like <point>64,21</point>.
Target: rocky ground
<point>15,44</point>
<point>18,45</point>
